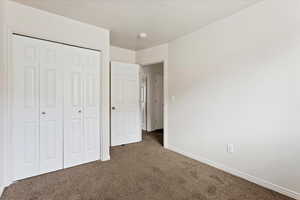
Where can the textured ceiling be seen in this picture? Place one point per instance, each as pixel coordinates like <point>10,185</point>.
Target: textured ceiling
<point>162,20</point>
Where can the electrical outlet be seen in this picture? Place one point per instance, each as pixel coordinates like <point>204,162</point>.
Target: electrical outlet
<point>230,148</point>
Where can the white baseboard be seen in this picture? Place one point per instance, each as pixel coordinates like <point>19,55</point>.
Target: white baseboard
<point>106,158</point>
<point>240,174</point>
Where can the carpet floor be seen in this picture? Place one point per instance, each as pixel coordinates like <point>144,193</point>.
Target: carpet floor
<point>141,171</point>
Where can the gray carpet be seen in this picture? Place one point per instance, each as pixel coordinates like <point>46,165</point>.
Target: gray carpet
<point>142,171</point>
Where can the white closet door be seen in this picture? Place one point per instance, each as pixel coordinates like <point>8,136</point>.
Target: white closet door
<point>51,107</point>
<point>91,70</point>
<point>55,106</point>
<point>81,106</point>
<point>125,113</point>
<point>73,108</point>
<point>25,107</point>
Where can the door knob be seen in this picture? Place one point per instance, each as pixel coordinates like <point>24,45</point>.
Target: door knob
<point>113,108</point>
<point>43,113</point>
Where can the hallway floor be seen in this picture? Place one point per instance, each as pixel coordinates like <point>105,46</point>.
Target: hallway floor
<point>141,171</point>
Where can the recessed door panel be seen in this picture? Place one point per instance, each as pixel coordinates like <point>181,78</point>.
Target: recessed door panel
<point>76,142</point>
<point>49,141</point>
<point>91,132</point>
<point>30,87</point>
<point>51,87</point>
<point>30,134</point>
<point>76,82</point>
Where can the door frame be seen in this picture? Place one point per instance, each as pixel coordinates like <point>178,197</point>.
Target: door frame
<point>146,76</point>
<point>7,106</point>
<point>165,90</point>
<point>145,96</point>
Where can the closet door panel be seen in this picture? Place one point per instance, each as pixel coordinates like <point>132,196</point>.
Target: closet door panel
<point>91,62</point>
<point>74,138</point>
<point>25,107</point>
<point>51,108</point>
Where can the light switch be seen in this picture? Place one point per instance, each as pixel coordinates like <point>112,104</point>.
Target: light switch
<point>173,98</point>
<point>230,148</point>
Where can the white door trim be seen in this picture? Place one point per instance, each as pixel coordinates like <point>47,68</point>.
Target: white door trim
<point>165,81</point>
<point>7,85</point>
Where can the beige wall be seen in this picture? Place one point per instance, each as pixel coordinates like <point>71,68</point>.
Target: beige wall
<point>152,55</point>
<point>34,22</point>
<point>232,82</point>
<point>122,55</point>
<point>237,82</point>
<point>1,93</point>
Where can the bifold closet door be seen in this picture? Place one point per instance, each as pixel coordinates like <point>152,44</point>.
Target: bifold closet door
<point>55,106</point>
<point>36,107</point>
<point>81,106</point>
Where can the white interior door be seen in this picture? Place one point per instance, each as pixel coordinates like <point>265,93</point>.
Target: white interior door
<point>125,108</point>
<point>51,107</point>
<point>25,107</point>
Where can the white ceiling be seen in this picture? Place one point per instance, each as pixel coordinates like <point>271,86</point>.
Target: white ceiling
<point>162,20</point>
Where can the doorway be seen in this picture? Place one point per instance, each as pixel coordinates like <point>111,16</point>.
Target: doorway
<point>152,101</point>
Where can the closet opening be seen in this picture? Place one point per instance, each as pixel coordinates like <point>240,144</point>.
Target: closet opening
<point>54,108</point>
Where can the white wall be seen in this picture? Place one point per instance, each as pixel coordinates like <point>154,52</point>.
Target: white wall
<point>30,21</point>
<point>154,95</point>
<point>122,55</point>
<point>237,82</point>
<point>1,93</point>
<point>152,55</point>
